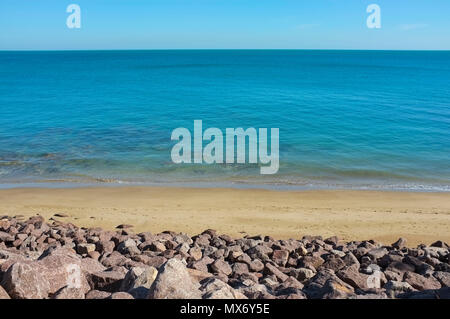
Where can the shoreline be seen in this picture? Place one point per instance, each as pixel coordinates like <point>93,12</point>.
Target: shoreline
<point>236,184</point>
<point>420,217</point>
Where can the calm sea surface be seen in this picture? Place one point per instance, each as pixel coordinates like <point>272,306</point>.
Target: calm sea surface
<point>347,119</point>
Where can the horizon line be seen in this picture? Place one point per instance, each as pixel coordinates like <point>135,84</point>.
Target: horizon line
<point>215,49</point>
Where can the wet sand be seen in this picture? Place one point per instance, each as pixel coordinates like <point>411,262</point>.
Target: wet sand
<point>351,215</point>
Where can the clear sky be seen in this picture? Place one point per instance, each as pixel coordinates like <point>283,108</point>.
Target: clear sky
<point>224,24</point>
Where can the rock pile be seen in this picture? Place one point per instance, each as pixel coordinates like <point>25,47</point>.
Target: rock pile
<point>60,260</point>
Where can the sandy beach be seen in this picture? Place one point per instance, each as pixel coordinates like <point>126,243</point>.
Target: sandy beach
<point>351,215</point>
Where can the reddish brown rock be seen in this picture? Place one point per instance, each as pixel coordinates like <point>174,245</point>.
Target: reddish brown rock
<point>421,282</point>
<point>24,281</point>
<point>97,294</point>
<point>69,293</point>
<point>174,282</point>
<point>280,257</point>
<point>222,267</point>
<point>120,295</point>
<point>61,267</point>
<point>311,261</point>
<point>353,277</point>
<point>107,280</point>
<point>270,269</point>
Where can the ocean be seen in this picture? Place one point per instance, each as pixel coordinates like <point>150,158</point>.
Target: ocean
<point>347,119</point>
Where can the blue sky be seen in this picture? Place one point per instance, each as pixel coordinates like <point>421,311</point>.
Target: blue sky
<point>224,24</point>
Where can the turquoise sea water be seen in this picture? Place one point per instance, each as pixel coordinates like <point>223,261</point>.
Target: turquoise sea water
<point>347,119</point>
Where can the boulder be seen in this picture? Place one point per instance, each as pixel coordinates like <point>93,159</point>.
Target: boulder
<point>85,248</point>
<point>353,277</point>
<point>394,288</point>
<point>110,281</point>
<point>138,281</point>
<point>220,266</point>
<point>443,277</point>
<point>213,288</point>
<point>174,282</point>
<point>400,243</point>
<point>97,294</point>
<point>311,261</point>
<point>69,293</point>
<point>270,269</point>
<point>62,267</point>
<point>280,257</point>
<point>120,295</point>
<point>24,281</point>
<point>420,282</point>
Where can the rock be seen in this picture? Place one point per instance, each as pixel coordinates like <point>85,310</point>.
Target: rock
<point>94,255</point>
<point>394,288</point>
<point>256,291</point>
<point>69,293</point>
<point>120,295</point>
<point>400,243</point>
<point>353,277</point>
<point>400,267</point>
<point>213,288</point>
<point>220,266</point>
<point>195,253</point>
<point>97,294</point>
<point>332,240</point>
<point>23,281</point>
<point>203,263</point>
<point>420,282</point>
<point>393,276</point>
<point>311,261</point>
<point>256,265</point>
<point>440,244</point>
<point>158,247</point>
<point>105,246</point>
<point>198,275</point>
<point>138,281</point>
<point>291,282</point>
<point>60,215</point>
<point>302,274</point>
<point>334,289</point>
<point>3,294</point>
<point>107,280</point>
<point>443,277</point>
<point>239,269</point>
<point>334,263</point>
<point>349,259</point>
<point>61,267</point>
<point>5,237</point>
<point>173,282</point>
<point>124,226</point>
<point>4,225</point>
<point>280,257</point>
<point>128,246</point>
<point>270,269</point>
<point>377,253</point>
<point>326,285</point>
<point>85,248</point>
